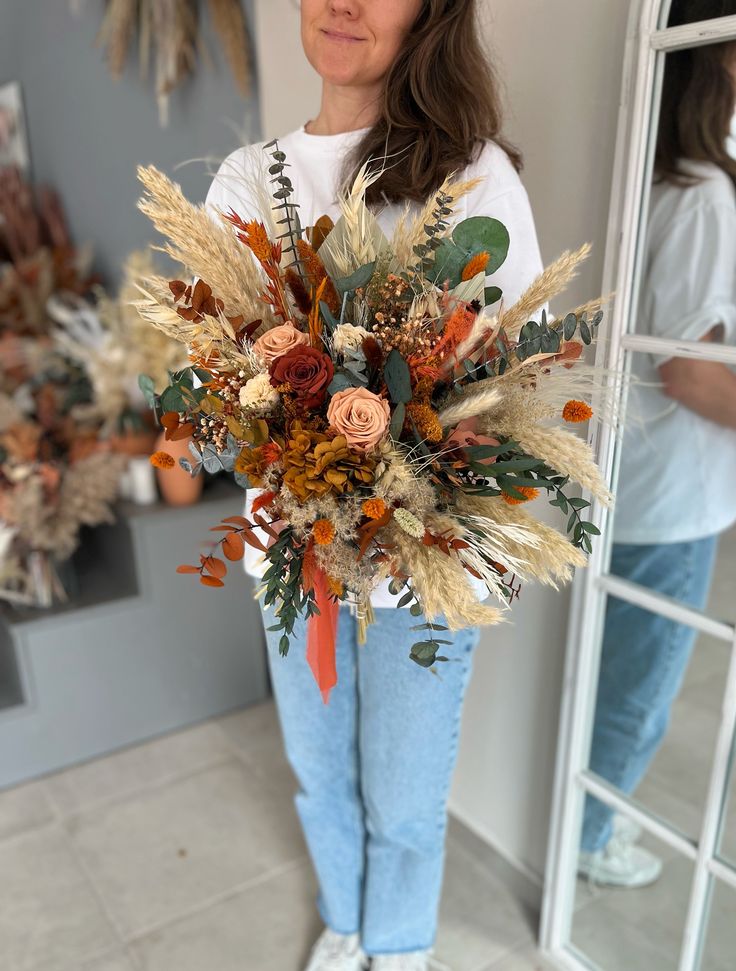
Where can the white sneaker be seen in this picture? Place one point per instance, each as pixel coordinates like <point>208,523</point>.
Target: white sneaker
<point>620,864</point>
<point>410,961</point>
<point>337,952</point>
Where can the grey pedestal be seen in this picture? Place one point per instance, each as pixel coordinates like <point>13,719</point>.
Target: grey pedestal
<point>140,651</point>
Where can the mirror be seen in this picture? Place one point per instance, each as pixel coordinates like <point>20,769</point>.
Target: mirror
<point>640,930</point>
<point>656,620</point>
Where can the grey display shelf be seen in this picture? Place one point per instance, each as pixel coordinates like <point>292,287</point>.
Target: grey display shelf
<point>140,649</point>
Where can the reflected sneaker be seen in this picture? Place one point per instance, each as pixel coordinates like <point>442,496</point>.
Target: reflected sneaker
<point>620,864</point>
<point>626,829</point>
<point>337,952</point>
<point>411,961</point>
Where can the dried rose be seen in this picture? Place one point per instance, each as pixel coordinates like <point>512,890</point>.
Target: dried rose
<point>277,341</point>
<point>466,434</point>
<point>307,371</point>
<point>361,416</point>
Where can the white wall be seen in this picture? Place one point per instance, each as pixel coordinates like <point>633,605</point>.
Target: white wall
<point>561,64</point>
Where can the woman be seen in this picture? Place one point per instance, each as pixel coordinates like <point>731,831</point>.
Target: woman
<point>678,467</point>
<point>404,82</point>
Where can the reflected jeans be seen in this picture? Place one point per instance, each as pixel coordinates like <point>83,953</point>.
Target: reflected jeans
<point>643,663</point>
<point>374,767</point>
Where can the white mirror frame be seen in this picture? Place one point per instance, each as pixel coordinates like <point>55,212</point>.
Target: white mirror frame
<point>646,47</point>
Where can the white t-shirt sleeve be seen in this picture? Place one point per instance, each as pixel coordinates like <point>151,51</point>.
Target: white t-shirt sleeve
<point>689,285</point>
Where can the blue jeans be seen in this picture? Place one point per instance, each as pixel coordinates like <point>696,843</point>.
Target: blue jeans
<point>374,767</point>
<point>643,663</point>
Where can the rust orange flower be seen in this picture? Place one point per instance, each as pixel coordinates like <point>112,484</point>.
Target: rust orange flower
<point>336,586</point>
<point>475,264</point>
<point>528,491</point>
<point>323,532</point>
<point>426,420</point>
<point>577,411</point>
<point>374,508</point>
<point>162,460</point>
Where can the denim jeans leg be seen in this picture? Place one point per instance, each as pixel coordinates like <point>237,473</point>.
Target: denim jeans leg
<point>643,662</point>
<point>322,748</point>
<point>409,725</point>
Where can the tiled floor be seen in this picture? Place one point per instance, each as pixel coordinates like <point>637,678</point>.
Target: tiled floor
<point>185,854</point>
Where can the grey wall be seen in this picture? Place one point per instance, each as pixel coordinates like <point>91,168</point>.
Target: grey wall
<point>88,132</point>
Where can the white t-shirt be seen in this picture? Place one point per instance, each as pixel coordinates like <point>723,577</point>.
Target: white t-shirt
<point>677,479</point>
<point>314,167</point>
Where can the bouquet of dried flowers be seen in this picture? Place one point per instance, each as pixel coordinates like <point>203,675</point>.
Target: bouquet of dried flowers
<point>398,419</point>
<point>55,474</point>
<point>108,337</point>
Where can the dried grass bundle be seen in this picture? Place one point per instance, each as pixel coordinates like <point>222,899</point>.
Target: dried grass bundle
<point>88,488</point>
<point>229,22</point>
<point>551,560</point>
<point>211,252</point>
<point>553,280</point>
<point>440,582</point>
<point>116,32</point>
<point>168,31</point>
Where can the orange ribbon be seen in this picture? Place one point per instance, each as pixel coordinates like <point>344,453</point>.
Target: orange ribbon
<point>321,628</point>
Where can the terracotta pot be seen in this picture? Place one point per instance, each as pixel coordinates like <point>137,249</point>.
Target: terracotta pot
<point>176,486</point>
<point>136,441</point>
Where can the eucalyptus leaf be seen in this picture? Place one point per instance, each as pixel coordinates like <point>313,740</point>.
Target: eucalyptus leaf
<point>397,421</point>
<point>145,383</point>
<point>396,376</point>
<point>359,278</point>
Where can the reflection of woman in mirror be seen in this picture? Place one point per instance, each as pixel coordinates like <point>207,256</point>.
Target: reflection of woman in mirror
<point>677,481</point>
<point>406,79</point>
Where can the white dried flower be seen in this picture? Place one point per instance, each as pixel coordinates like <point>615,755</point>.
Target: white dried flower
<point>258,395</point>
<point>348,337</point>
<point>409,523</point>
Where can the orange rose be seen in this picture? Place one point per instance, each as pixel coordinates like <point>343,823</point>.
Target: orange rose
<point>361,416</point>
<point>278,341</point>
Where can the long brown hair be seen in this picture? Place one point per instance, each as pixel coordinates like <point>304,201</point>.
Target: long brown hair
<point>440,101</point>
<point>698,99</point>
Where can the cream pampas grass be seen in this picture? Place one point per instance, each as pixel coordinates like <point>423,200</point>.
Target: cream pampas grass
<point>567,454</point>
<point>470,405</point>
<point>548,284</point>
<point>550,561</point>
<point>440,581</point>
<point>212,339</point>
<point>211,252</point>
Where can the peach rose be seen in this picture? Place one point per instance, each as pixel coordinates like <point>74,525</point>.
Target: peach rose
<point>278,341</point>
<point>361,416</point>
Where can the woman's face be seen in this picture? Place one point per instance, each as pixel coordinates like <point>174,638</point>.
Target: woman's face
<point>355,42</point>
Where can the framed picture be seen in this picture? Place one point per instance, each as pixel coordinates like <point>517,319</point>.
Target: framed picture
<point>13,139</point>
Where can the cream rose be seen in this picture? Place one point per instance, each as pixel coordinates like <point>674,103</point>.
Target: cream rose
<point>258,395</point>
<point>361,416</point>
<point>278,341</point>
<point>348,337</point>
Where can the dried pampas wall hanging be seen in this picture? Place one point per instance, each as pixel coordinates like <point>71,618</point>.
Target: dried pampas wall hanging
<point>169,32</point>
